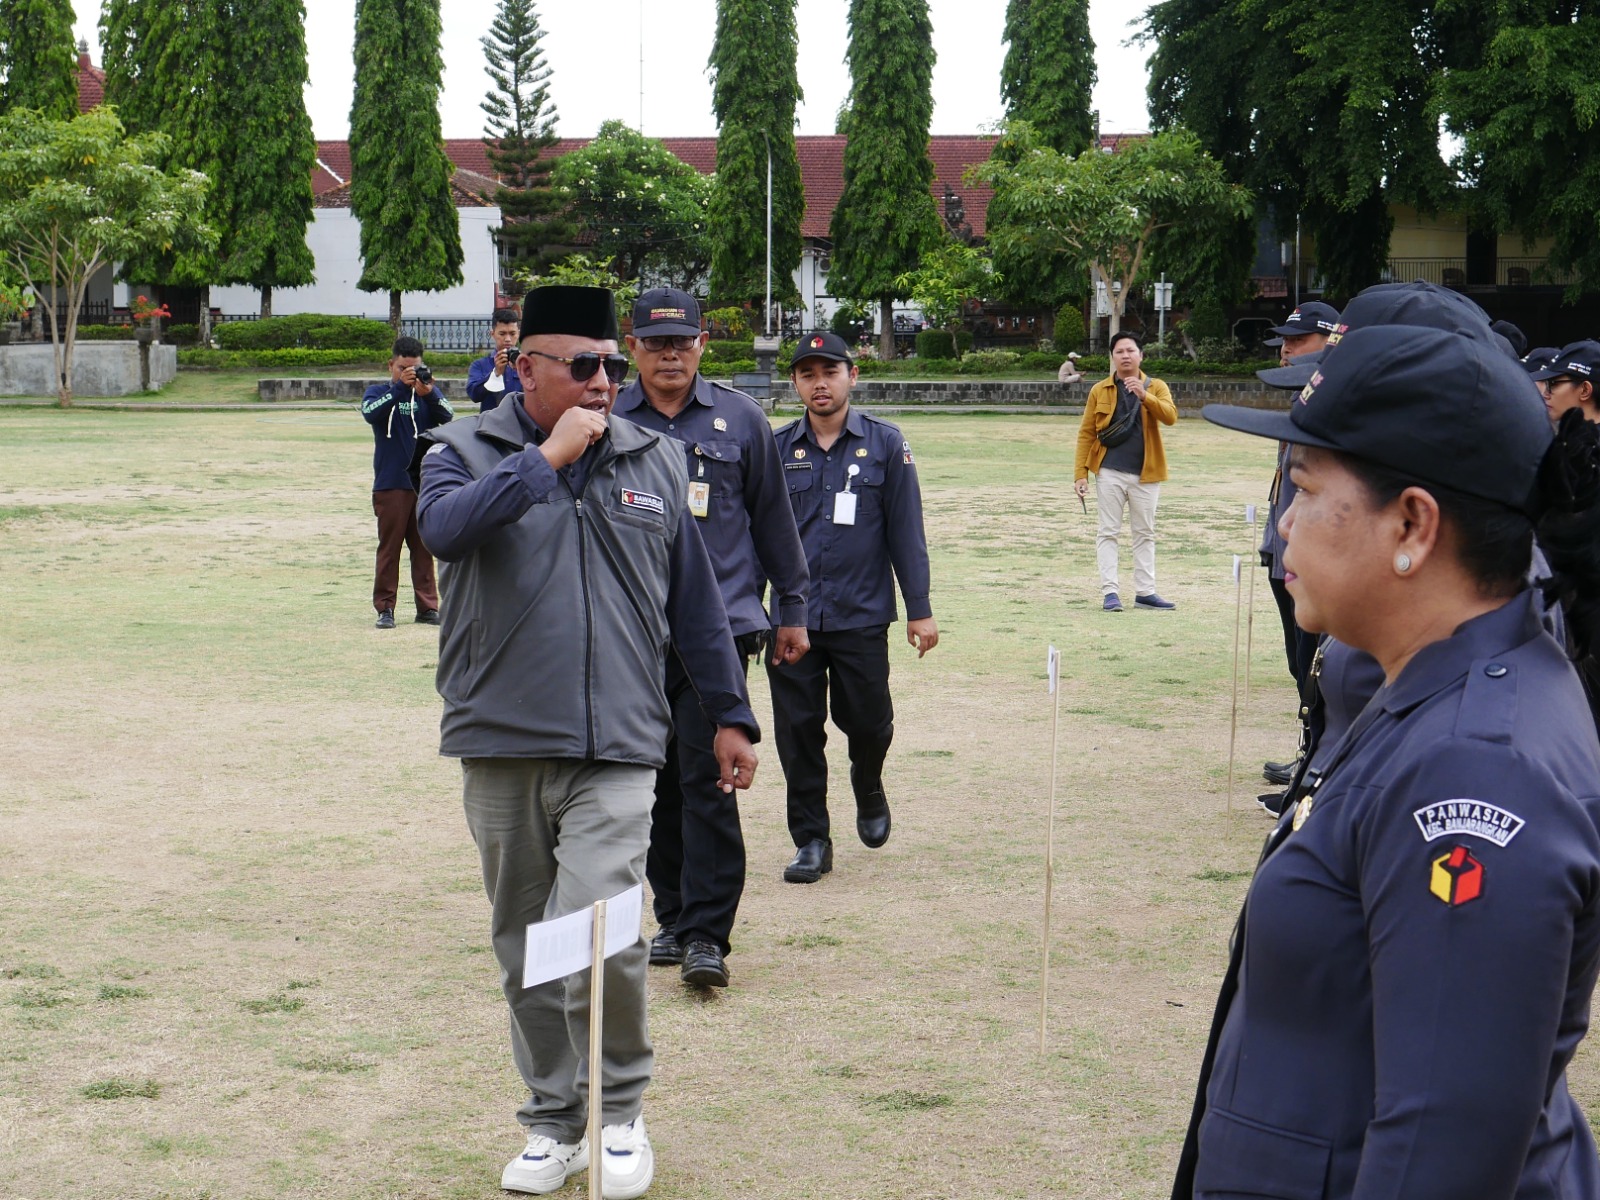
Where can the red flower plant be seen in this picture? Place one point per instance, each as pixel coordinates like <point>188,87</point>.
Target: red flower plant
<point>144,309</point>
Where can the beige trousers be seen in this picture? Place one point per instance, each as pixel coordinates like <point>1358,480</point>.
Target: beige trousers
<point>1114,491</point>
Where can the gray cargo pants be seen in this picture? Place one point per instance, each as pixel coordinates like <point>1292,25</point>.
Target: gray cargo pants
<point>554,836</point>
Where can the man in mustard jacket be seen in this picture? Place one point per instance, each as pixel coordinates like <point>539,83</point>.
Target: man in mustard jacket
<point>1120,441</point>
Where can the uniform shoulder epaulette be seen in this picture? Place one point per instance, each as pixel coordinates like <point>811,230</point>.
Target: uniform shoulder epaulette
<point>783,430</point>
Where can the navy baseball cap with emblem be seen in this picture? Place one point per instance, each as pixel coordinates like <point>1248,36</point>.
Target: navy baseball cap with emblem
<point>1311,317</point>
<point>821,344</point>
<point>1579,360</point>
<point>1419,303</point>
<point>1539,357</point>
<point>666,312</point>
<point>1443,408</point>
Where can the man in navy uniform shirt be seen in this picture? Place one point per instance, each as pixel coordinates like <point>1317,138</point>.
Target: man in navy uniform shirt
<point>488,377</point>
<point>570,561</point>
<point>398,412</point>
<point>852,480</point>
<point>696,865</point>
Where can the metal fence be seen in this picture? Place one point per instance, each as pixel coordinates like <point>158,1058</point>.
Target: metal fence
<point>457,334</point>
<point>1452,272</point>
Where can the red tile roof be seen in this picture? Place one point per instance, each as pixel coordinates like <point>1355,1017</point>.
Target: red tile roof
<point>91,82</point>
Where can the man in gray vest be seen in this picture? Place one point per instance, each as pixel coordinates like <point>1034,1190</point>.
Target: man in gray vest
<point>569,560</point>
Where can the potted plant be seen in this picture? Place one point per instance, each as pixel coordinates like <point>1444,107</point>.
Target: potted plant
<point>147,319</point>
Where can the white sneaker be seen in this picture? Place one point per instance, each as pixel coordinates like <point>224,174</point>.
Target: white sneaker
<point>627,1164</point>
<point>544,1166</point>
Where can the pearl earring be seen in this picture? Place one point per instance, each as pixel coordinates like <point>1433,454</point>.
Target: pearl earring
<point>1402,563</point>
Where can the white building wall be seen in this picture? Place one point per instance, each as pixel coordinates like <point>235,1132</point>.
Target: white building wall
<point>334,236</point>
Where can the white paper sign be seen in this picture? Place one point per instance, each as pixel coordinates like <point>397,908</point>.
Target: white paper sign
<point>1236,568</point>
<point>1250,513</point>
<point>564,946</point>
<point>1053,667</point>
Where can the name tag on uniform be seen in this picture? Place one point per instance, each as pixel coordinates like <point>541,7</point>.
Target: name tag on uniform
<point>844,508</point>
<point>699,498</point>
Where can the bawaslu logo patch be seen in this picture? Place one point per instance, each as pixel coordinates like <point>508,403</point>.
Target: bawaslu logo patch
<point>1452,818</point>
<point>644,500</point>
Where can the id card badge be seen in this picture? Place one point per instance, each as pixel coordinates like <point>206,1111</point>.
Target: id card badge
<point>699,498</point>
<point>844,508</point>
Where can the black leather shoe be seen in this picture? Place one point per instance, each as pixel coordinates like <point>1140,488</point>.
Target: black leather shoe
<point>1278,773</point>
<point>811,862</point>
<point>428,616</point>
<point>703,965</point>
<point>664,948</point>
<point>386,619</point>
<point>872,820</point>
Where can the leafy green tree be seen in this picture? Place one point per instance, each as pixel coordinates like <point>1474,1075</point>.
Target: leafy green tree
<point>80,194</point>
<point>1099,212</point>
<point>641,207</point>
<point>755,87</point>
<point>886,216</point>
<point>37,57</point>
<point>520,132</point>
<point>949,278</point>
<point>1322,110</point>
<point>399,173</point>
<point>1048,76</point>
<point>268,149</point>
<point>1523,96</point>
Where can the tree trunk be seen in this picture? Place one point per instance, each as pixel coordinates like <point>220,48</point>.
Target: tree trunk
<point>203,320</point>
<point>886,328</point>
<point>266,301</point>
<point>394,312</point>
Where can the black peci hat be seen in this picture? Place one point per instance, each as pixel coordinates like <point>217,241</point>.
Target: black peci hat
<point>1449,410</point>
<point>589,312</point>
<point>821,344</point>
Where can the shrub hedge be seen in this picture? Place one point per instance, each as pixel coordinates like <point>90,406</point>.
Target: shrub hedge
<point>936,344</point>
<point>307,331</point>
<point>300,357</point>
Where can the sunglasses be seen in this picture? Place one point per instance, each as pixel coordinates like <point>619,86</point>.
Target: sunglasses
<point>680,341</point>
<point>583,366</point>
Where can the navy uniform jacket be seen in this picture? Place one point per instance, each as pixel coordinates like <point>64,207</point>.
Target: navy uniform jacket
<point>397,416</point>
<point>1415,963</point>
<point>750,529</point>
<point>479,376</point>
<point>851,585</point>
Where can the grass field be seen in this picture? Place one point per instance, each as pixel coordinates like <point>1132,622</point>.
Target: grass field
<point>245,945</point>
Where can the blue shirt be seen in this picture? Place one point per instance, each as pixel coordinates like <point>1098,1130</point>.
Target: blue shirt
<point>479,376</point>
<point>851,584</point>
<point>749,529</point>
<point>397,416</point>
<point>1415,963</point>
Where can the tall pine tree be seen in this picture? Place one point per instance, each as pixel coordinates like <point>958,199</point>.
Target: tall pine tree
<point>399,172</point>
<point>520,132</point>
<point>267,198</point>
<point>886,214</point>
<point>755,87</point>
<point>37,58</point>
<point>1048,76</point>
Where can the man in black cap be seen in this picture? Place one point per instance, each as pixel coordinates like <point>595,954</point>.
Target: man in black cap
<point>696,865</point>
<point>852,481</point>
<point>1568,380</point>
<point>568,559</point>
<point>1304,331</point>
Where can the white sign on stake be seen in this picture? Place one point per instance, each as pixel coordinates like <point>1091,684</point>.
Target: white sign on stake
<point>1053,668</point>
<point>1236,568</point>
<point>562,947</point>
<point>1250,513</point>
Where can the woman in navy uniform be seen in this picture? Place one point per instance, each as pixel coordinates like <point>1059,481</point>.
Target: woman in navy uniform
<point>1413,967</point>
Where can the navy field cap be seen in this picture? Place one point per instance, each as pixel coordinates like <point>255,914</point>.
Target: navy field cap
<point>1294,374</point>
<point>1311,317</point>
<point>588,312</point>
<point>1419,303</point>
<point>821,344</point>
<point>665,312</point>
<point>1428,403</point>
<point>1579,360</point>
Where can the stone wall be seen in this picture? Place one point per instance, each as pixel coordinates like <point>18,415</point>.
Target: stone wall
<point>1190,395</point>
<point>98,369</point>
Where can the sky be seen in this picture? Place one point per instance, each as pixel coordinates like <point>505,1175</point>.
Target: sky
<point>593,48</point>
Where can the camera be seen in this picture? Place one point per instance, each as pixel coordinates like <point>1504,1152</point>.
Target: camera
<point>424,375</point>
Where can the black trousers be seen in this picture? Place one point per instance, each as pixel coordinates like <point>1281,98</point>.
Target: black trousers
<point>851,666</point>
<point>696,860</point>
<point>1299,646</point>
